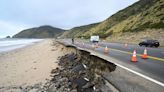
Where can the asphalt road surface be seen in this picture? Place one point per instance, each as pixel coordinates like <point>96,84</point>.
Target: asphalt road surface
<point>152,67</point>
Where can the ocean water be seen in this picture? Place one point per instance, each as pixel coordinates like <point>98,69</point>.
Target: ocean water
<point>11,44</point>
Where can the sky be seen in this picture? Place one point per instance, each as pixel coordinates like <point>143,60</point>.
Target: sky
<point>17,15</point>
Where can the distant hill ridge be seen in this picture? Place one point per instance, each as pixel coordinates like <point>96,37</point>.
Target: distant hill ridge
<point>78,32</point>
<point>143,19</point>
<point>40,32</point>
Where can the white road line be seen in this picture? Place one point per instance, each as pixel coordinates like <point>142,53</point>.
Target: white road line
<point>139,74</point>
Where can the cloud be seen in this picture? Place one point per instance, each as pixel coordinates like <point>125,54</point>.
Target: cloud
<point>8,28</point>
<point>58,13</point>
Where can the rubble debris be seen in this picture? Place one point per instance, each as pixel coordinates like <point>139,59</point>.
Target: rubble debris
<point>79,74</point>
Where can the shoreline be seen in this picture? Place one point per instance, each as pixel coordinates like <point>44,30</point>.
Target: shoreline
<point>14,47</point>
<point>20,48</point>
<point>28,65</point>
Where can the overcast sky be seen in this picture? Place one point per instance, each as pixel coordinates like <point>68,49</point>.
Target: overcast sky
<point>16,15</point>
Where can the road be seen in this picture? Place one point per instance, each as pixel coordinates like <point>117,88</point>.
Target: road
<point>152,67</point>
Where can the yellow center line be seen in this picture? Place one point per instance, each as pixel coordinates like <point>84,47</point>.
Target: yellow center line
<point>156,58</point>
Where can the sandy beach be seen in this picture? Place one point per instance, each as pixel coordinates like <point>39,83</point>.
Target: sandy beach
<point>29,65</point>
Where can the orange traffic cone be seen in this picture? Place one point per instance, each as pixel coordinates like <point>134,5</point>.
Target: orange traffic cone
<point>93,46</point>
<point>106,50</point>
<point>134,57</point>
<point>145,56</point>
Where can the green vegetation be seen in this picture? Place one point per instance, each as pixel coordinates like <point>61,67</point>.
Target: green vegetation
<point>142,15</point>
<point>137,17</point>
<point>78,32</point>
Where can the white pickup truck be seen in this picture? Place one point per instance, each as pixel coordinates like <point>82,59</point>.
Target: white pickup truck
<point>94,39</point>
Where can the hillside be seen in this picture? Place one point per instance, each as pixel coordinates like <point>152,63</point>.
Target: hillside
<point>78,31</point>
<point>141,15</point>
<point>40,32</point>
<point>142,20</point>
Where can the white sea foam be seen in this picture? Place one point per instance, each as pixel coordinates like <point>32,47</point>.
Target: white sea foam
<point>11,44</point>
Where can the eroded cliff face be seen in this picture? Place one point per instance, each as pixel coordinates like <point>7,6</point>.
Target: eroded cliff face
<point>81,72</point>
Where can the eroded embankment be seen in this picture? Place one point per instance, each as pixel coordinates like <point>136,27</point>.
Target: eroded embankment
<point>81,72</point>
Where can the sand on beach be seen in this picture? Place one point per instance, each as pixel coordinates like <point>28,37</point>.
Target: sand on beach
<point>29,65</point>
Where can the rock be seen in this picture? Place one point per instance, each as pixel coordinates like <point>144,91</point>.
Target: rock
<point>88,90</point>
<point>55,70</point>
<point>80,82</point>
<point>58,86</point>
<point>8,37</point>
<point>78,68</point>
<point>88,85</point>
<point>52,88</point>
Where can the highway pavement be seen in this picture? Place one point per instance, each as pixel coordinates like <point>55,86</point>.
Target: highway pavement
<point>152,67</point>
